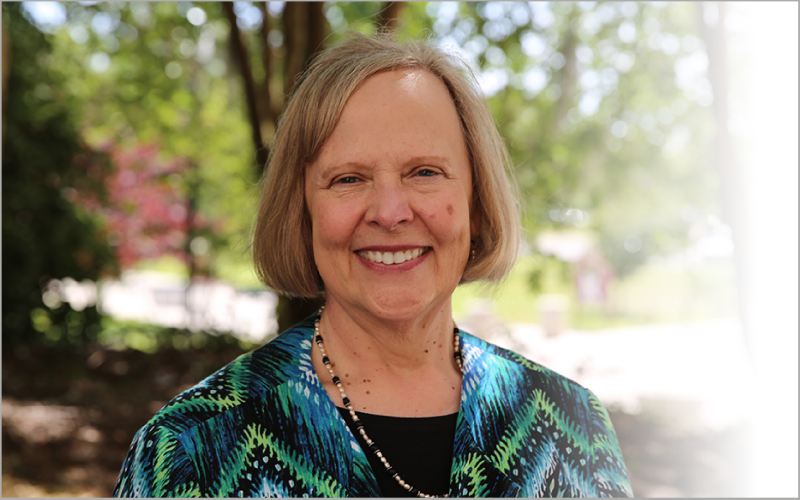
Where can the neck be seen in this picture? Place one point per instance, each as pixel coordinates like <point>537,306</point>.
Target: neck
<point>399,368</point>
<point>406,343</point>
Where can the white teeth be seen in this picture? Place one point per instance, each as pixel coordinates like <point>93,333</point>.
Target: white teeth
<point>392,257</point>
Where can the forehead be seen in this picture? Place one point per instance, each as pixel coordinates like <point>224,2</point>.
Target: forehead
<point>388,88</point>
<point>408,110</point>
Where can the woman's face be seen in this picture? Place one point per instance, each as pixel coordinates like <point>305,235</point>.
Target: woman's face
<point>389,196</point>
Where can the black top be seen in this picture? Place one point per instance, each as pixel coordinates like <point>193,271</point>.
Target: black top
<point>419,449</point>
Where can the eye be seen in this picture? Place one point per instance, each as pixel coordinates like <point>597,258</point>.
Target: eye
<point>349,179</point>
<point>427,172</point>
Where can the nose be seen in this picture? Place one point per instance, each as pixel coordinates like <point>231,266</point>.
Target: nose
<point>389,206</point>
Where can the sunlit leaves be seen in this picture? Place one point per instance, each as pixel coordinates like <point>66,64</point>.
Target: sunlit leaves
<point>155,73</point>
<point>597,100</point>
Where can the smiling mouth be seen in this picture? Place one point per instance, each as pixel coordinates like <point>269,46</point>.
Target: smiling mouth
<point>392,258</point>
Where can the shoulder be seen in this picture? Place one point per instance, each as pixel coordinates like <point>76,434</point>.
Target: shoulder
<point>528,417</point>
<point>482,357</point>
<point>250,377</point>
<point>516,382</point>
<point>223,436</point>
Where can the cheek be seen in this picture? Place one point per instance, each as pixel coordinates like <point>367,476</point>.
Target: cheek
<point>450,220</point>
<point>449,210</point>
<point>333,226</point>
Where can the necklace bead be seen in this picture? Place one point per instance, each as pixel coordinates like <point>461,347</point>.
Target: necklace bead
<point>360,425</point>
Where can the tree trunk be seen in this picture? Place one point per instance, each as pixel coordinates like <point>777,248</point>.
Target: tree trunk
<point>191,209</point>
<point>305,29</point>
<point>567,81</point>
<point>317,30</point>
<point>733,202</point>
<point>6,73</point>
<point>389,19</point>
<point>293,310</point>
<point>266,106</point>
<point>295,38</point>
<point>239,56</point>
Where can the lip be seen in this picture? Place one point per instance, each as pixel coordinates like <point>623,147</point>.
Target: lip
<point>405,266</point>
<point>389,248</point>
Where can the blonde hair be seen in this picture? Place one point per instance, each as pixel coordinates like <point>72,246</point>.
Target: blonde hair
<point>282,241</point>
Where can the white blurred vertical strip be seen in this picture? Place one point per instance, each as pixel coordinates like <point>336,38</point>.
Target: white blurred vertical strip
<point>771,180</point>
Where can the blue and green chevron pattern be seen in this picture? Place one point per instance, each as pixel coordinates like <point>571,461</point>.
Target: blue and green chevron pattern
<point>263,426</point>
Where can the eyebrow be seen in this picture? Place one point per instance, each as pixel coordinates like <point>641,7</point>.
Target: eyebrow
<point>441,160</point>
<point>357,165</point>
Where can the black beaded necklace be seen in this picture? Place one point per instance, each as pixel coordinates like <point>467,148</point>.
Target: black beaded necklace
<point>360,425</point>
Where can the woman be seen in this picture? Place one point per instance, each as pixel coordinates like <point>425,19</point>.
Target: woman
<point>385,189</point>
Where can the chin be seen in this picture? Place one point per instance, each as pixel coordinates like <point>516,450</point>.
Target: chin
<point>400,306</point>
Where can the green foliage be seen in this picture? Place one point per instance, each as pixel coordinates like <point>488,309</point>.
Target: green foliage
<point>587,96</point>
<point>352,16</point>
<point>125,334</point>
<point>142,74</point>
<point>516,298</point>
<point>547,274</point>
<point>110,75</point>
<point>44,236</point>
<point>663,293</point>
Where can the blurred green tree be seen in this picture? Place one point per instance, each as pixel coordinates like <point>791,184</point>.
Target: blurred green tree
<point>45,236</point>
<point>605,107</point>
<point>156,74</point>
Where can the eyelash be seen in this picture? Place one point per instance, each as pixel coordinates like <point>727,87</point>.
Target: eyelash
<point>352,179</point>
<point>430,170</point>
<point>345,178</point>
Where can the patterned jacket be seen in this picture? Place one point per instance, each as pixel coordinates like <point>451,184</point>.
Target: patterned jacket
<point>264,426</point>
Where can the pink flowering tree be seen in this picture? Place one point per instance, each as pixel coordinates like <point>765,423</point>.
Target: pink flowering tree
<point>147,208</point>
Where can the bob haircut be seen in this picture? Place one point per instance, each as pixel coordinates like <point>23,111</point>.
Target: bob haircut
<point>282,239</point>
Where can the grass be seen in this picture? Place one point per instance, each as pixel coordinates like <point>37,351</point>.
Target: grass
<point>164,264</point>
<point>654,293</point>
<point>594,318</point>
<point>118,334</point>
<point>237,268</point>
<point>512,300</point>
<point>231,266</point>
<point>662,292</point>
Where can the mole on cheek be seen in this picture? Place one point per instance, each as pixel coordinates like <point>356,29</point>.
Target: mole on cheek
<point>450,209</point>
